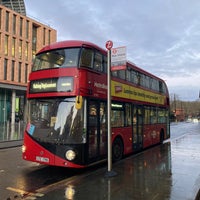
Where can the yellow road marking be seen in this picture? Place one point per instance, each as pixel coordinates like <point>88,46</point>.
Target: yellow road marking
<point>23,192</point>
<point>17,190</point>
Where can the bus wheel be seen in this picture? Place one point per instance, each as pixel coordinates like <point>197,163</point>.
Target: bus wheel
<point>117,149</point>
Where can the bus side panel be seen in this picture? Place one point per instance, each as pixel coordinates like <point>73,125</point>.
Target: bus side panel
<point>147,138</point>
<point>152,134</point>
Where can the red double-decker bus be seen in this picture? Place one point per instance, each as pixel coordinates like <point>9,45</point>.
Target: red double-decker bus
<point>67,107</point>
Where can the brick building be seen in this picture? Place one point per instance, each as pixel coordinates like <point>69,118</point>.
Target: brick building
<point>179,114</point>
<point>20,38</point>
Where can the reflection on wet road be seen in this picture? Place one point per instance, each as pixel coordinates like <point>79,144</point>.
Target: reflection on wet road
<point>185,159</point>
<point>168,171</point>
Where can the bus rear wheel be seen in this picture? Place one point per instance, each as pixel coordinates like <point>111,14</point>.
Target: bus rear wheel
<point>117,150</point>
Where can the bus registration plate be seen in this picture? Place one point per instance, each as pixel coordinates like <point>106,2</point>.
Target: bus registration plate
<point>42,159</point>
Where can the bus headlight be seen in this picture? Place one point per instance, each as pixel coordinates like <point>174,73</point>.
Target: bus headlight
<point>70,155</point>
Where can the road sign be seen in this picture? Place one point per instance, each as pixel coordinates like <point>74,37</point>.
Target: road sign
<point>118,55</point>
<point>109,45</point>
<point>119,67</point>
<point>118,58</point>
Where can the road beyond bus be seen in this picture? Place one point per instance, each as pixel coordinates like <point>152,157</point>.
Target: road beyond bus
<point>168,171</point>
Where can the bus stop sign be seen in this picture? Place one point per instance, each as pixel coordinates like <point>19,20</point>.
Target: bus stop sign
<point>109,45</point>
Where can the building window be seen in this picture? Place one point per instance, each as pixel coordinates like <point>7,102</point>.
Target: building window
<point>6,45</point>
<point>34,40</point>
<point>5,69</point>
<point>49,37</point>
<point>19,72</point>
<point>21,27</point>
<point>0,17</point>
<point>44,36</point>
<point>13,71</point>
<point>26,51</point>
<point>20,49</point>
<point>14,24</point>
<point>26,73</point>
<point>7,21</point>
<point>13,47</point>
<point>27,29</point>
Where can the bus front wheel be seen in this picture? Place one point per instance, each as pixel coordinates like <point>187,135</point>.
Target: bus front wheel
<point>117,150</point>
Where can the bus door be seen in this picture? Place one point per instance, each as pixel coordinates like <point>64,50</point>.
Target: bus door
<point>97,129</point>
<point>137,128</point>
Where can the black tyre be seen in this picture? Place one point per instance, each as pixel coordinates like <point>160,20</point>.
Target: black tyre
<point>117,150</point>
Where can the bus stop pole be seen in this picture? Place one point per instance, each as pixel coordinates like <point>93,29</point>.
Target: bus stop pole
<point>109,112</point>
<point>109,173</point>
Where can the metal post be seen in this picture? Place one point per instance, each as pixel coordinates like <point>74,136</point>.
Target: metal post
<point>109,112</point>
<point>109,173</point>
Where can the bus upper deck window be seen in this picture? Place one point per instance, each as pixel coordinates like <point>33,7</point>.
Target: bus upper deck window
<point>98,62</point>
<point>71,57</point>
<point>86,58</point>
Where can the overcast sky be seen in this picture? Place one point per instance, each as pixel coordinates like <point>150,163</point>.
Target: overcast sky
<point>161,36</point>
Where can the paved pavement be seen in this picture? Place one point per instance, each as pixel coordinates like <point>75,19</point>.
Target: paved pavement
<point>12,143</point>
<point>167,172</point>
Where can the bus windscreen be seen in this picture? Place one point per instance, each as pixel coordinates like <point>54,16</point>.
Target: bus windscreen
<point>56,58</point>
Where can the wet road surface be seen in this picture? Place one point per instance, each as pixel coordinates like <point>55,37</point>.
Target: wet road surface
<point>168,171</point>
<point>19,177</point>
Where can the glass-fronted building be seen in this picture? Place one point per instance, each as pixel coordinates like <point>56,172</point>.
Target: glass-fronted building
<point>16,5</point>
<point>20,38</point>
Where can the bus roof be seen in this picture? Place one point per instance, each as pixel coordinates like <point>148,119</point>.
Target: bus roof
<point>71,43</point>
<point>79,43</point>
